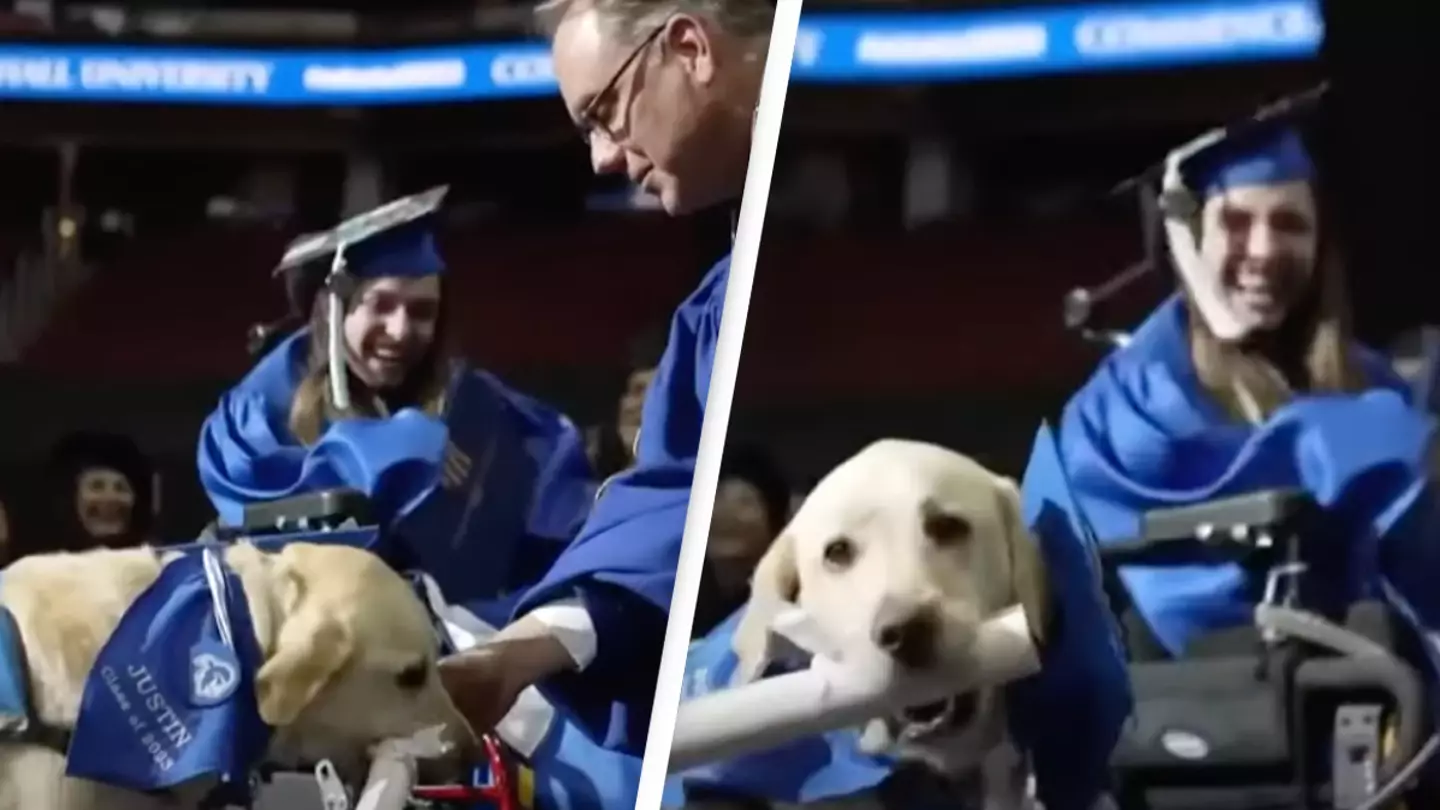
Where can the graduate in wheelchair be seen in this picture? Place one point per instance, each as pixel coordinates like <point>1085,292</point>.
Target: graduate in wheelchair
<point>1260,486</point>
<point>359,428</point>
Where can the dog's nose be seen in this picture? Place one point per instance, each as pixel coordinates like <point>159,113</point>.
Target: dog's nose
<point>909,632</point>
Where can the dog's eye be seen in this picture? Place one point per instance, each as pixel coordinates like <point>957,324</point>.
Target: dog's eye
<point>945,529</point>
<point>413,677</point>
<point>839,553</point>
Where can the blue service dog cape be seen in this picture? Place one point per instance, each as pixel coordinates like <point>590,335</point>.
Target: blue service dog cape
<point>1142,434</point>
<point>1068,716</point>
<point>15,717</point>
<point>623,562</point>
<point>483,500</point>
<point>171,697</point>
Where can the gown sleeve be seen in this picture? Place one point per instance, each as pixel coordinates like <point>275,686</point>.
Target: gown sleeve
<point>622,564</point>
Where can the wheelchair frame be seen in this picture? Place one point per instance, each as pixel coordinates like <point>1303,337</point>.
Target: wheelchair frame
<point>1296,661</point>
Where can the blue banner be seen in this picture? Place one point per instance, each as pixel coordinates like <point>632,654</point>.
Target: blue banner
<point>870,47</point>
<point>241,77</point>
<point>958,46</point>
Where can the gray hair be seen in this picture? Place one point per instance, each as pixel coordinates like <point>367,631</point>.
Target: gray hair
<point>632,19</point>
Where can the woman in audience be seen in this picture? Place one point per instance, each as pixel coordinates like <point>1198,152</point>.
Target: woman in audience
<point>103,492</point>
<point>752,505</point>
<point>5,547</point>
<point>611,445</point>
<point>1414,355</point>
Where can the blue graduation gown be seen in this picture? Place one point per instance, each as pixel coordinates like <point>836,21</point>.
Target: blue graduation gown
<point>622,564</point>
<point>485,536</point>
<point>1143,434</point>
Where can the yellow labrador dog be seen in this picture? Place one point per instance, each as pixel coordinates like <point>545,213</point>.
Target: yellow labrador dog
<point>348,658</point>
<point>902,551</point>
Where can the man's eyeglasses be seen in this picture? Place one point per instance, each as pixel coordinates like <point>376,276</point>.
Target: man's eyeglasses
<point>590,120</point>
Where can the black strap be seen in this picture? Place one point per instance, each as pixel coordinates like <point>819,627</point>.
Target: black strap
<point>228,795</point>
<point>34,732</point>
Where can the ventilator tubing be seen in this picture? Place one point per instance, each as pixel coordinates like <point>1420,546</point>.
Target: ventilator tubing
<point>828,696</point>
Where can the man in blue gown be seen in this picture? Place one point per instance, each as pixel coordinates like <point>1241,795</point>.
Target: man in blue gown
<point>685,138</point>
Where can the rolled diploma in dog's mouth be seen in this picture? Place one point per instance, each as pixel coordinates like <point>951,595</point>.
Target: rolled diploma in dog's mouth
<point>828,697</point>
<point>392,768</point>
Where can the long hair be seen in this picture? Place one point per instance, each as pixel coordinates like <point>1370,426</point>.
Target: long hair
<point>1251,385</point>
<point>311,408</point>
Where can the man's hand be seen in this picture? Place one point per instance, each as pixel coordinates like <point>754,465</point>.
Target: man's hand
<point>485,682</point>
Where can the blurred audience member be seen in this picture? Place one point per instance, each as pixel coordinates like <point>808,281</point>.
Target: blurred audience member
<point>4,536</point>
<point>798,496</point>
<point>612,446</point>
<point>102,486</point>
<point>1411,355</point>
<point>752,505</point>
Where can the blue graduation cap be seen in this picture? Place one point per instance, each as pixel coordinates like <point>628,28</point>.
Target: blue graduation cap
<point>1263,149</point>
<point>1263,156</point>
<point>396,239</point>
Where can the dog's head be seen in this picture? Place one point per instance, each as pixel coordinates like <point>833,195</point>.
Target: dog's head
<point>902,551</point>
<point>349,650</point>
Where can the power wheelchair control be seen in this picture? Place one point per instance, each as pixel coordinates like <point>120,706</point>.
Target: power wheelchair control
<point>1292,711</point>
<point>324,510</point>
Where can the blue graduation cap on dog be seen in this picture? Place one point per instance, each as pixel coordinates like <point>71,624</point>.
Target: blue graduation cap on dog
<point>395,240</point>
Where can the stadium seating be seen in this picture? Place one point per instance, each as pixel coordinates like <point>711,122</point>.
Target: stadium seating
<point>183,302</point>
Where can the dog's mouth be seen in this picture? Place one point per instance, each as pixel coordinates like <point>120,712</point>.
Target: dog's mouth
<point>918,722</point>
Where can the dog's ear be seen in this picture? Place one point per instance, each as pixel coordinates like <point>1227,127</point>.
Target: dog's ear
<point>1027,566</point>
<point>310,648</point>
<point>775,585</point>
